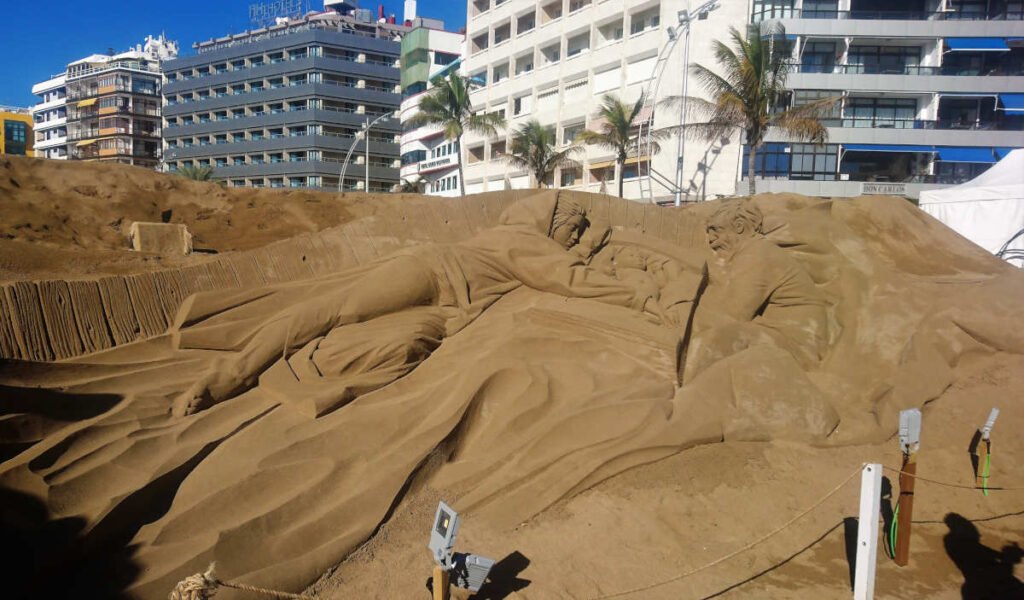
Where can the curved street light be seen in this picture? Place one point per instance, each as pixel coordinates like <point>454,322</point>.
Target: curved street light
<point>348,155</point>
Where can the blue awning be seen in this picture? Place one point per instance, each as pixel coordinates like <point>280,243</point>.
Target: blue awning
<point>1002,152</point>
<point>887,148</point>
<point>967,155</point>
<point>976,45</point>
<point>1012,103</point>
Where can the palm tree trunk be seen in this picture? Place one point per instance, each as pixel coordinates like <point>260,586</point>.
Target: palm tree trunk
<point>622,169</point>
<point>462,176</point>
<point>750,171</point>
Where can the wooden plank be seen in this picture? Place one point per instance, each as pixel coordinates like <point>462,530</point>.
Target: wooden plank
<point>359,243</point>
<point>475,214</point>
<point>652,219</point>
<point>336,242</point>
<point>617,212</point>
<point>29,323</point>
<point>9,344</point>
<point>171,292</point>
<point>61,328</point>
<point>246,269</point>
<point>118,310</point>
<point>88,309</point>
<point>142,290</point>
<point>635,216</point>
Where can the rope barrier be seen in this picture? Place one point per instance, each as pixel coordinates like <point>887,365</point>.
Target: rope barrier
<point>738,551</point>
<point>952,485</point>
<point>203,586</point>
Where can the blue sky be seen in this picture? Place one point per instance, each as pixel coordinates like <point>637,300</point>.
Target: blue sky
<point>39,39</point>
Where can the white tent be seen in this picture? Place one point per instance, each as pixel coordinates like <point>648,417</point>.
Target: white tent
<point>989,209</point>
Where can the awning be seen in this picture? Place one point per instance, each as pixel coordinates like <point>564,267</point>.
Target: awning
<point>886,148</point>
<point>976,45</point>
<point>85,143</point>
<point>1012,103</point>
<point>604,164</point>
<point>1002,152</point>
<point>88,102</point>
<point>967,155</point>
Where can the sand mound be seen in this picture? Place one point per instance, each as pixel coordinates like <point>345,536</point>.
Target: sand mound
<point>63,218</point>
<point>514,418</point>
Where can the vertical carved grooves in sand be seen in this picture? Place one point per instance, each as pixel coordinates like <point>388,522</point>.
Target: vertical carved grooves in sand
<point>55,320</point>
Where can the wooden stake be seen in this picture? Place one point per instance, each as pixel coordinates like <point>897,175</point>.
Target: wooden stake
<point>906,506</point>
<point>440,583</point>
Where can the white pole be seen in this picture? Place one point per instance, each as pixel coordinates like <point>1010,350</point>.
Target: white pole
<point>682,116</point>
<point>867,532</point>
<point>366,140</point>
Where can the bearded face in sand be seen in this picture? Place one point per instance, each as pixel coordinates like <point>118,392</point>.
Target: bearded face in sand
<point>732,227</point>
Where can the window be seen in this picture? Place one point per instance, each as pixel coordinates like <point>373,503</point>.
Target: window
<point>883,59</point>
<point>526,23</point>
<point>578,44</point>
<point>524,64</point>
<point>569,132</point>
<point>479,43</point>
<point>610,32</point>
<point>575,5</point>
<point>812,162</point>
<point>644,21</point>
<point>551,54</point>
<point>818,57</point>
<point>444,58</point>
<point>771,160</point>
<point>571,176</point>
<point>899,113</point>
<point>551,11</point>
<point>500,73</point>
<point>502,33</point>
<point>238,161</point>
<point>521,105</point>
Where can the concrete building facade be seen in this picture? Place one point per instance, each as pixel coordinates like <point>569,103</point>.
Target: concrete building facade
<point>16,131</point>
<point>428,158</point>
<point>932,93</point>
<point>282,106</point>
<point>554,61</point>
<point>50,118</point>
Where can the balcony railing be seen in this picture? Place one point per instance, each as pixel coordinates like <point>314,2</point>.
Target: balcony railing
<point>940,124</point>
<point>782,12</point>
<point>869,69</point>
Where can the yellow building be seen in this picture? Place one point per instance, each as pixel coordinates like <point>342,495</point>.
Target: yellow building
<point>16,125</point>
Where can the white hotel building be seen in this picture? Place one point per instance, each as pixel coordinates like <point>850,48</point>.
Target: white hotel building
<point>932,90</point>
<point>50,118</point>
<point>554,60</point>
<point>428,51</point>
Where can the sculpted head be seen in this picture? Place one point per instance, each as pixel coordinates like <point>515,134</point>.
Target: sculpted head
<point>732,225</point>
<point>568,223</point>
<point>629,257</point>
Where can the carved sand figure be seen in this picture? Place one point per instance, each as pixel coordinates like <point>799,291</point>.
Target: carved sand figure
<point>457,281</point>
<point>756,295</point>
<point>501,372</point>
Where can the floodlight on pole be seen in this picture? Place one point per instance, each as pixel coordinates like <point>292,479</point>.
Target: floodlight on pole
<point>685,19</point>
<point>366,141</point>
<point>467,571</point>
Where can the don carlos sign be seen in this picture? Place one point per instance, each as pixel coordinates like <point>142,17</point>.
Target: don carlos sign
<point>885,189</point>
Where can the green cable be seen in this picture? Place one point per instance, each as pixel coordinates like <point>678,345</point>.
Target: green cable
<point>892,531</point>
<point>984,474</point>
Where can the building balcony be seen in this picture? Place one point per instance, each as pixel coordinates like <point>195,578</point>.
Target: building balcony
<point>900,82</point>
<point>895,69</point>
<point>771,13</point>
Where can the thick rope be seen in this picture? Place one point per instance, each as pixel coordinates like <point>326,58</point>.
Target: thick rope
<point>203,586</point>
<point>952,485</point>
<point>738,551</point>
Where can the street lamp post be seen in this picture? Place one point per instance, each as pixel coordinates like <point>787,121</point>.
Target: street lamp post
<point>366,141</point>
<point>685,19</point>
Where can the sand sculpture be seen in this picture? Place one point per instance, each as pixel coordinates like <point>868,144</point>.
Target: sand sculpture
<point>512,369</point>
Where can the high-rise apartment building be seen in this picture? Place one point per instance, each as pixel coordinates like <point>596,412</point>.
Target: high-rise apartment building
<point>932,92</point>
<point>113,105</point>
<point>50,118</point>
<point>283,105</point>
<point>428,157</point>
<point>554,60</point>
<point>15,131</point>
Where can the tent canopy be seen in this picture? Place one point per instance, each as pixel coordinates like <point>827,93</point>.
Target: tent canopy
<point>989,209</point>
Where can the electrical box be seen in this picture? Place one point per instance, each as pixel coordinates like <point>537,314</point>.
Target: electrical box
<point>470,571</point>
<point>910,430</point>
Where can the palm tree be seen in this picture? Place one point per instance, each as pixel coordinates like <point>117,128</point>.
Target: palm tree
<point>618,131</point>
<point>447,105</point>
<point>196,173</point>
<point>533,148</point>
<point>749,94</point>
<point>412,186</point>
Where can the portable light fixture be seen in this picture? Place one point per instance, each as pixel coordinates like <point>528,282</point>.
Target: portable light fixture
<point>468,571</point>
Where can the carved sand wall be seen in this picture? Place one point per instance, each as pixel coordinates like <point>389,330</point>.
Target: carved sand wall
<point>60,319</point>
